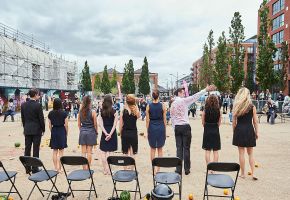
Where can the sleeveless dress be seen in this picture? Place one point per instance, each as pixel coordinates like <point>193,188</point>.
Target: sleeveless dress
<point>211,134</point>
<point>244,133</point>
<point>112,144</point>
<point>88,133</point>
<point>156,130</point>
<point>129,135</point>
<point>58,138</point>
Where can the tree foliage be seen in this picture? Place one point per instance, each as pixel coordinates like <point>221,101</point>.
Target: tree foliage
<point>86,78</point>
<point>114,79</point>
<point>130,70</point>
<point>284,62</point>
<point>98,82</point>
<point>105,86</point>
<point>236,60</point>
<point>221,75</point>
<point>144,86</point>
<point>250,82</point>
<point>265,64</point>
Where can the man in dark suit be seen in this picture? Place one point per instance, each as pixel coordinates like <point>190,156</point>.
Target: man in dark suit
<point>33,123</point>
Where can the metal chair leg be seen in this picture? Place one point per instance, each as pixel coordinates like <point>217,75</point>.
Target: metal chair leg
<point>94,188</point>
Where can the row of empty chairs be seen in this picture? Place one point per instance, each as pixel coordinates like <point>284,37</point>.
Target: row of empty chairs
<point>216,180</point>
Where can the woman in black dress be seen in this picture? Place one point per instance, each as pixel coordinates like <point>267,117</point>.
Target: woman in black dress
<point>128,126</point>
<point>108,121</point>
<point>211,120</point>
<point>245,127</point>
<point>58,125</point>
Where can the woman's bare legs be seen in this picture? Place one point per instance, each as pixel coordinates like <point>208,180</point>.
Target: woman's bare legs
<point>89,154</point>
<point>215,156</point>
<point>160,154</point>
<point>242,161</point>
<point>84,154</point>
<point>104,162</point>
<point>55,159</point>
<point>60,154</point>
<point>207,156</point>
<point>250,151</point>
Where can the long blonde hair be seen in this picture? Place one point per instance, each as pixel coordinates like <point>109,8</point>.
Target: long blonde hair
<point>242,102</point>
<point>131,102</point>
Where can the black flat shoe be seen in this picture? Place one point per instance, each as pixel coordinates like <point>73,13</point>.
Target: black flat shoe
<point>187,172</point>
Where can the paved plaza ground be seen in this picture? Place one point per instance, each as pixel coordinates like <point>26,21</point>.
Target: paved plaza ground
<point>272,154</point>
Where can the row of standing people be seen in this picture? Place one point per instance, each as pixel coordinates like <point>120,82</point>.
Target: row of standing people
<point>245,134</point>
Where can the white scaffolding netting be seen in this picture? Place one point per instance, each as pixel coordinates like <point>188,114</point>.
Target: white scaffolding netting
<point>26,62</point>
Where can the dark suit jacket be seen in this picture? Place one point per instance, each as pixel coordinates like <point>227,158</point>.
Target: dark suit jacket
<point>32,118</point>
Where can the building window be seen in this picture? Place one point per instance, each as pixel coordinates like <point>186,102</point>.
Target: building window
<point>278,38</point>
<point>278,55</point>
<point>277,67</point>
<point>250,50</point>
<point>278,6</point>
<point>278,22</point>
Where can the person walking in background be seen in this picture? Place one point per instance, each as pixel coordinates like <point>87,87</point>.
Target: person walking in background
<point>10,111</point>
<point>167,115</point>
<point>108,121</point>
<point>58,125</point>
<point>128,126</point>
<point>143,106</point>
<point>34,126</point>
<point>245,128</point>
<point>156,126</point>
<point>46,100</point>
<point>226,100</point>
<point>211,120</point>
<point>76,108</point>
<point>180,122</point>
<point>87,123</point>
<point>192,109</point>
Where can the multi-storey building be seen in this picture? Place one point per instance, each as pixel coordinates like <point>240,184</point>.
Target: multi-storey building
<point>280,17</point>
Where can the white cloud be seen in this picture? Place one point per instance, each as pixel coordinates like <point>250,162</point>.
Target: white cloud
<point>170,33</point>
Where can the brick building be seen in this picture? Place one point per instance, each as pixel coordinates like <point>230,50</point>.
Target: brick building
<point>280,16</point>
<point>153,77</point>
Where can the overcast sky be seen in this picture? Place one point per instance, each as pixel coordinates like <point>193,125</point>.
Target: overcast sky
<point>170,33</point>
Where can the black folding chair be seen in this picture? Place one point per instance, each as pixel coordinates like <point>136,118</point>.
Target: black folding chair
<point>43,175</point>
<point>222,181</point>
<point>124,176</point>
<point>8,176</point>
<point>168,178</point>
<point>78,175</point>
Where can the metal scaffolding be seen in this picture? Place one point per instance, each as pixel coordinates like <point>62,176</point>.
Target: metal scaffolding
<point>26,62</point>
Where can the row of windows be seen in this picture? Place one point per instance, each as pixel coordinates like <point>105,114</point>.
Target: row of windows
<point>279,5</point>
<point>278,22</point>
<point>278,37</point>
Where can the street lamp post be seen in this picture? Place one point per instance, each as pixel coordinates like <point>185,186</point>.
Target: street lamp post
<point>176,78</point>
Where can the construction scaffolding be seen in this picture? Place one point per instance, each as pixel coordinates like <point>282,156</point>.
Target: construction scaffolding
<point>26,62</point>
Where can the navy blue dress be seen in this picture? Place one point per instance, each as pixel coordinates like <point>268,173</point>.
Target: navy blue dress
<point>58,138</point>
<point>156,130</point>
<point>112,144</point>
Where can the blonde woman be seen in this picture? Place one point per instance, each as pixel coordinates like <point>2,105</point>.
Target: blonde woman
<point>128,126</point>
<point>245,127</point>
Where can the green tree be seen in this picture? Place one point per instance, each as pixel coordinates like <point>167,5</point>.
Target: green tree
<point>97,84</point>
<point>144,87</point>
<point>204,70</point>
<point>266,48</point>
<point>86,78</point>
<point>207,69</point>
<point>250,82</point>
<point>284,62</point>
<point>236,34</point>
<point>105,86</point>
<point>221,75</point>
<point>125,81</point>
<point>114,79</point>
<point>130,70</point>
